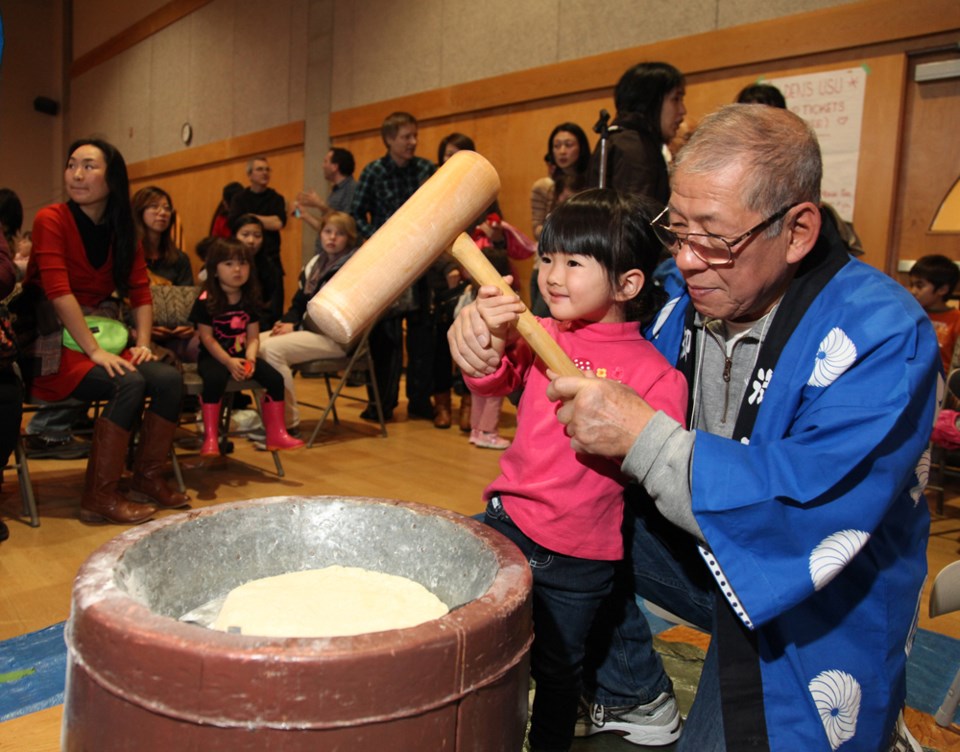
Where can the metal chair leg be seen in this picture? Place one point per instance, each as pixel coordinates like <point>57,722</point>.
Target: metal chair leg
<point>27,497</point>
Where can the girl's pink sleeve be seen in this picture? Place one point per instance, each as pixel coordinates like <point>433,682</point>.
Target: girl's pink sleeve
<point>509,376</point>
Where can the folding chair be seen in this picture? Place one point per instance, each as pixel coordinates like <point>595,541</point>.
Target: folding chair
<point>357,363</point>
<point>944,599</point>
<point>28,498</point>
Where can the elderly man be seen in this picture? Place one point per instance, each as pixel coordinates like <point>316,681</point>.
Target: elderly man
<point>813,384</point>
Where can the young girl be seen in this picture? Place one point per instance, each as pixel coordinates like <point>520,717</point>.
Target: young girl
<point>563,509</point>
<point>226,317</point>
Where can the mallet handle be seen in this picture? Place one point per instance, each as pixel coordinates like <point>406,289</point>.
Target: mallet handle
<point>471,257</point>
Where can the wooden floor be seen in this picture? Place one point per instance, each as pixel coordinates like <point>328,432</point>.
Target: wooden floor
<point>415,462</point>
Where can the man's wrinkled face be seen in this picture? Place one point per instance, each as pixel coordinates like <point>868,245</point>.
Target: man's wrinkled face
<point>746,288</point>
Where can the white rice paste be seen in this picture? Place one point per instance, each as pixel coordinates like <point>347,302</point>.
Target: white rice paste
<point>329,602</point>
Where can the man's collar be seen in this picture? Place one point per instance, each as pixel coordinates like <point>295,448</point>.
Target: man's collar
<point>388,158</point>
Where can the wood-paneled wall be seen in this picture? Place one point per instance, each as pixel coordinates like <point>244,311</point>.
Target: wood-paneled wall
<point>511,116</point>
<point>194,178</point>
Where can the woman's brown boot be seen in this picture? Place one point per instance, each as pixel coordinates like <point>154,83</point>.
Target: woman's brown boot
<point>100,501</point>
<point>153,451</point>
<point>441,410</point>
<point>465,402</point>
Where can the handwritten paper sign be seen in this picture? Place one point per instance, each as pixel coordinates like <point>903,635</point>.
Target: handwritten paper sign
<point>832,102</point>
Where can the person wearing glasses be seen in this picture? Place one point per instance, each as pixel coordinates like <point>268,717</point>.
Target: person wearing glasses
<point>153,216</point>
<point>789,521</point>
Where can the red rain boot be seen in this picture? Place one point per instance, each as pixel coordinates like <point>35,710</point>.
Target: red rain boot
<point>276,427</point>
<point>211,429</point>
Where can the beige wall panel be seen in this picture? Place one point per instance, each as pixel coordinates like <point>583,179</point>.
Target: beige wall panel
<point>138,101</point>
<point>96,21</point>
<point>170,87</point>
<point>211,63</point>
<point>498,36</point>
<point>736,12</point>
<point>298,40</point>
<point>261,64</point>
<point>30,147</point>
<point>394,49</point>
<point>95,102</point>
<point>344,41</point>
<point>586,28</point>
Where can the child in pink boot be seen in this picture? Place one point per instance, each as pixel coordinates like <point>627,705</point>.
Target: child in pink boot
<point>226,317</point>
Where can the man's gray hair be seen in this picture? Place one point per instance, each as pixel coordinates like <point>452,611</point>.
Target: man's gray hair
<point>779,149</point>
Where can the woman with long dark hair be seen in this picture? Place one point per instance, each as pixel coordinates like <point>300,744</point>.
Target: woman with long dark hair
<point>153,215</point>
<point>568,159</point>
<point>84,251</point>
<point>649,102</point>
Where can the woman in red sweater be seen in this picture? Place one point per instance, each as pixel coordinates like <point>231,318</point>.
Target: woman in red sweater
<point>85,259</point>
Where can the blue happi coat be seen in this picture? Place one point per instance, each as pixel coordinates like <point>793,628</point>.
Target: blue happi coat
<point>815,520</point>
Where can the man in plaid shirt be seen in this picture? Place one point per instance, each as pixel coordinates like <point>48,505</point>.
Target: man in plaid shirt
<point>384,185</point>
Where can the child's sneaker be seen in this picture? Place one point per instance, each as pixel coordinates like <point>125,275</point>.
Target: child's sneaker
<point>655,724</point>
<point>488,440</point>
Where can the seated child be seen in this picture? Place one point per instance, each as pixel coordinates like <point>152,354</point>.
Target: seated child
<point>932,281</point>
<point>225,314</point>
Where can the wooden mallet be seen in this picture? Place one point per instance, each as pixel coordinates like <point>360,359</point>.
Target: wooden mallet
<point>404,247</point>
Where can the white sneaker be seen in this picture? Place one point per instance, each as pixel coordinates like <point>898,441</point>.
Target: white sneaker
<point>655,724</point>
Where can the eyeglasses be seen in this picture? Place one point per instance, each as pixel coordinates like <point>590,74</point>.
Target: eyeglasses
<point>159,208</point>
<point>713,250</point>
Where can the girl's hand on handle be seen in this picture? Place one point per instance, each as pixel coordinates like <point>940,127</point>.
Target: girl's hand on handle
<point>500,313</point>
<point>469,340</point>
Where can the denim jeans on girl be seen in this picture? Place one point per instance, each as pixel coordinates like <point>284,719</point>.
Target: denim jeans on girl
<point>567,592</point>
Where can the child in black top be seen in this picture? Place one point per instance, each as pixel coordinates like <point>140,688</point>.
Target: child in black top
<point>226,317</point>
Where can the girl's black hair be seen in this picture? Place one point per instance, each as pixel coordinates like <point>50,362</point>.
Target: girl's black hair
<point>225,249</point>
<point>245,219</point>
<point>118,216</point>
<point>613,228</point>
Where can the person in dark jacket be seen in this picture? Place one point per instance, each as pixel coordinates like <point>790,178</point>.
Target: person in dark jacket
<point>649,102</point>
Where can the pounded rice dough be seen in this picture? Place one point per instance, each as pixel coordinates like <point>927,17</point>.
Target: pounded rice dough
<point>329,602</point>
